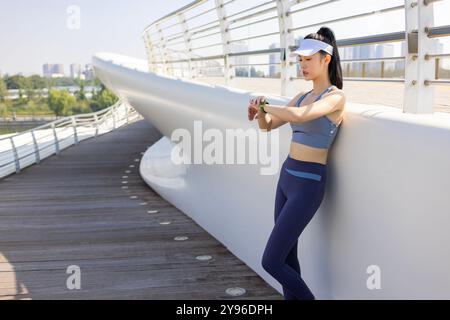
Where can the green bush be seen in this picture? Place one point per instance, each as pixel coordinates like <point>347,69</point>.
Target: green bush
<point>61,102</point>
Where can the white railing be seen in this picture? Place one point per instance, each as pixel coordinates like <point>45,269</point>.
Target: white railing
<point>23,149</point>
<point>181,43</point>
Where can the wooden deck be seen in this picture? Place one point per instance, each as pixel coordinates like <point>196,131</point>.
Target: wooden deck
<point>72,209</point>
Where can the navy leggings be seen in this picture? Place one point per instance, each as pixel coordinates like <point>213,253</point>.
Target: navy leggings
<point>300,190</point>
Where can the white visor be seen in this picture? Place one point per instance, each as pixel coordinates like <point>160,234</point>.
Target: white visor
<point>308,47</point>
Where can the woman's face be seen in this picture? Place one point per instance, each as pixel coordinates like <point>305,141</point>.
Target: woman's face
<point>312,66</point>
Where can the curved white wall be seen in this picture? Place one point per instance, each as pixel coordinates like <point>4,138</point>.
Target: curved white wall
<point>386,202</point>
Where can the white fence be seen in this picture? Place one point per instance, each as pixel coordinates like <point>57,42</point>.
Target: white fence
<point>23,149</point>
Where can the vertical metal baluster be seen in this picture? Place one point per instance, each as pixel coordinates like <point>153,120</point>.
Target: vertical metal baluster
<point>96,124</point>
<point>74,125</point>
<point>36,148</point>
<point>16,156</point>
<point>56,139</point>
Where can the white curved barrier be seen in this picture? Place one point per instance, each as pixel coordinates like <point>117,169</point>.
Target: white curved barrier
<point>386,212</point>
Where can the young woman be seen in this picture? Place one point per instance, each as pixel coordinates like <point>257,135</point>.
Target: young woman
<point>315,117</point>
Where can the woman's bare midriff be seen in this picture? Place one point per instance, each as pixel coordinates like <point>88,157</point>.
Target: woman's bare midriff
<point>306,153</point>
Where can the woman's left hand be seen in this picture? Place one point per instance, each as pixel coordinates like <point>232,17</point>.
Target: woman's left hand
<point>252,109</point>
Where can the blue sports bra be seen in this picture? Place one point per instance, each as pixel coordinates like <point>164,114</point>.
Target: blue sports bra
<point>319,133</point>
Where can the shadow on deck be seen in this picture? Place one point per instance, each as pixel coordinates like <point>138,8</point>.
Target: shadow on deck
<point>90,208</point>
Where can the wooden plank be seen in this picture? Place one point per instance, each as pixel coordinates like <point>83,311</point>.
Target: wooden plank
<point>71,210</point>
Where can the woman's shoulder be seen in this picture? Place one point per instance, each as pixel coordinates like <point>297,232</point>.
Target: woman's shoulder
<point>340,92</point>
<point>336,90</point>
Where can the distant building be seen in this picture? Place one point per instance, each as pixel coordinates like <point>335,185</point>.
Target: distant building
<point>274,69</point>
<point>75,71</point>
<point>239,46</point>
<point>384,51</point>
<point>53,70</point>
<point>46,70</point>
<point>240,61</point>
<point>359,53</point>
<point>88,73</point>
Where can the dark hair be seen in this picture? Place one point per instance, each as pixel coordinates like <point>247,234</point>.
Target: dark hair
<point>334,68</point>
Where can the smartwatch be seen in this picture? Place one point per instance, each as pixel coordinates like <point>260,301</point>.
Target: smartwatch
<point>261,106</point>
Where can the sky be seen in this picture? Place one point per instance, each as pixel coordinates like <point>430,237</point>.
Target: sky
<point>35,32</point>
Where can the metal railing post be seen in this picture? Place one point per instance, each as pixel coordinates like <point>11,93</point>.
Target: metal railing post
<point>436,68</point>
<point>165,52</point>
<point>74,125</point>
<point>16,155</point>
<point>149,50</point>
<point>418,96</point>
<point>113,111</point>
<point>36,148</point>
<point>188,43</point>
<point>224,24</point>
<point>288,70</point>
<point>96,124</point>
<point>56,139</point>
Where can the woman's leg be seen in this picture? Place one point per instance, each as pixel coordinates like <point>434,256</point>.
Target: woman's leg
<point>292,260</point>
<point>303,200</point>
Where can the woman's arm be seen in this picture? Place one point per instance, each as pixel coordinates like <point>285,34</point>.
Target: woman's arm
<point>264,120</point>
<point>330,103</point>
<point>271,121</point>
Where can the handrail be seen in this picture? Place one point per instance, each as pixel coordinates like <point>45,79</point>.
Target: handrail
<point>28,147</point>
<point>79,116</point>
<point>417,31</point>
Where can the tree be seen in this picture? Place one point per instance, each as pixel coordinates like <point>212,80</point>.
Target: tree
<point>81,107</point>
<point>31,106</point>
<point>21,98</point>
<point>37,82</point>
<point>31,93</point>
<point>81,96</point>
<point>3,90</point>
<point>17,82</point>
<point>61,102</point>
<point>3,110</point>
<point>62,82</point>
<point>103,99</point>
